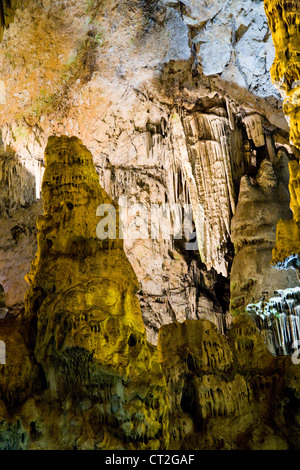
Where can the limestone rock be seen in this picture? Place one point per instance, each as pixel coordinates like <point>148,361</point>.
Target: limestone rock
<point>287,234</point>
<point>82,323</point>
<point>174,102</point>
<point>3,309</point>
<point>234,41</point>
<point>7,9</point>
<point>131,87</point>
<point>254,129</point>
<point>284,20</point>
<point>262,202</point>
<point>278,320</point>
<point>223,391</point>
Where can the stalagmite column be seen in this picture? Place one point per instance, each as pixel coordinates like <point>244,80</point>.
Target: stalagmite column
<point>284,22</point>
<point>82,317</point>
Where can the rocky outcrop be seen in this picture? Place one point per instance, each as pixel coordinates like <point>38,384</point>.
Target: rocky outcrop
<point>263,200</point>
<point>162,128</point>
<point>284,19</point>
<point>81,343</point>
<point>228,394</point>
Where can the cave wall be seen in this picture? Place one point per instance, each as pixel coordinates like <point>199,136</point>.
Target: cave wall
<point>163,122</point>
<point>167,121</point>
<point>7,11</point>
<point>228,393</point>
<point>79,372</point>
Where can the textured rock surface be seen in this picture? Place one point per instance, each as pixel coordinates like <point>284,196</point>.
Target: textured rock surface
<point>80,373</point>
<point>228,394</point>
<point>174,102</point>
<point>233,41</point>
<point>130,81</point>
<point>284,21</point>
<point>287,247</point>
<point>85,377</point>
<point>7,10</point>
<point>82,325</point>
<point>278,320</point>
<point>262,202</point>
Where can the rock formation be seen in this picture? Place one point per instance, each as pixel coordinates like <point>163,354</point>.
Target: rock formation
<point>228,393</point>
<point>79,373</point>
<point>7,10</point>
<point>174,102</point>
<point>287,247</point>
<point>278,320</point>
<point>284,20</point>
<point>262,202</point>
<point>164,125</point>
<point>82,325</point>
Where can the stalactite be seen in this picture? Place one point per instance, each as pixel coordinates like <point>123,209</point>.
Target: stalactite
<point>39,172</point>
<point>17,183</point>
<point>253,124</point>
<point>278,319</point>
<point>209,151</point>
<point>7,11</point>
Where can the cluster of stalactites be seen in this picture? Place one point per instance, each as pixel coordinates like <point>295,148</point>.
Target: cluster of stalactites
<point>205,165</point>
<point>278,319</point>
<point>7,11</point>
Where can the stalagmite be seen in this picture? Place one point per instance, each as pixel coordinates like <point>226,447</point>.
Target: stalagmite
<point>82,324</point>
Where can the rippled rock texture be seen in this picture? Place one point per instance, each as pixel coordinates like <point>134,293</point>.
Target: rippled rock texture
<point>284,22</point>
<point>228,393</point>
<point>82,335</point>
<point>135,81</point>
<point>79,372</point>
